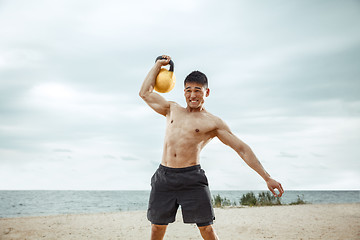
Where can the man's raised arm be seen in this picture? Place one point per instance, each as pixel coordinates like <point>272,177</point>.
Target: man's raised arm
<point>154,100</point>
<point>227,137</point>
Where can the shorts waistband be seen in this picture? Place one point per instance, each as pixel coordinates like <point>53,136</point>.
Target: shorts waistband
<point>179,170</point>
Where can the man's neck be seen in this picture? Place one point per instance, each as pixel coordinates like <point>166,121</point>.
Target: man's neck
<point>199,109</point>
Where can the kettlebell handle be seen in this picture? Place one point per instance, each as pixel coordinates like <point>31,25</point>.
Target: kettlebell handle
<point>171,63</point>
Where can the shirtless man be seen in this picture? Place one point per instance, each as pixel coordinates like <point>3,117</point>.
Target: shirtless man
<point>179,180</point>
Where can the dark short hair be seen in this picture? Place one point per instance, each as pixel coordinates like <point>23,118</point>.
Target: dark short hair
<point>197,77</point>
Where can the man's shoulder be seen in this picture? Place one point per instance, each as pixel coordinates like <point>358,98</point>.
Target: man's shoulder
<point>215,119</point>
<point>174,105</point>
<point>213,116</point>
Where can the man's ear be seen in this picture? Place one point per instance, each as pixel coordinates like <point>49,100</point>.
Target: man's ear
<point>207,92</point>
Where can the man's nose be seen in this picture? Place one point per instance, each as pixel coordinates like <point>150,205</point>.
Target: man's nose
<point>192,95</point>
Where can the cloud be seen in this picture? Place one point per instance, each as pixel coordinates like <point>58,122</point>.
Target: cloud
<point>283,75</point>
<point>62,150</point>
<point>287,155</point>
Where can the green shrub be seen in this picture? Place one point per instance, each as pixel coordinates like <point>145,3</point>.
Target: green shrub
<point>218,201</point>
<point>226,202</point>
<point>263,199</point>
<point>248,199</point>
<point>267,199</point>
<point>300,200</point>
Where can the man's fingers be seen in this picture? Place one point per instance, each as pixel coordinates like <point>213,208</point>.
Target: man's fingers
<point>281,189</point>
<point>168,58</point>
<point>273,192</point>
<point>273,185</point>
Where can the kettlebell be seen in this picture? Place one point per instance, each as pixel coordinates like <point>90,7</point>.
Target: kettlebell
<point>165,80</point>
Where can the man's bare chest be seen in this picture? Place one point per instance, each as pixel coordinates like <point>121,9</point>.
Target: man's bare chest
<point>190,124</point>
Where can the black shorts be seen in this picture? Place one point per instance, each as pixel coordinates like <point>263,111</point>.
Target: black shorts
<point>187,187</point>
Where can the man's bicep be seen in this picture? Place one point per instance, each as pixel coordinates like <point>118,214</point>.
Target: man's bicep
<point>158,103</point>
<point>225,135</point>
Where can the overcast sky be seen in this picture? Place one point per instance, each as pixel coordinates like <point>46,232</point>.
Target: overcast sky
<point>284,75</point>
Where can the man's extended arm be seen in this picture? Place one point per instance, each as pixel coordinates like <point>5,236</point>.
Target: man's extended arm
<point>245,152</point>
<point>154,100</point>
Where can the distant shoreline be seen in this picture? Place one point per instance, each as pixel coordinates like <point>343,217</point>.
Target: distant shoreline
<point>141,211</point>
<point>52,202</point>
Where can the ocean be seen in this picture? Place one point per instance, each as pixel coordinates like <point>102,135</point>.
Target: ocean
<point>46,203</point>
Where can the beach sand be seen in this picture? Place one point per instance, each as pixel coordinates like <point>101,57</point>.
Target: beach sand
<point>311,221</point>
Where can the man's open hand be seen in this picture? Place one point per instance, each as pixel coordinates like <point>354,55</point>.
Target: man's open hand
<point>272,185</point>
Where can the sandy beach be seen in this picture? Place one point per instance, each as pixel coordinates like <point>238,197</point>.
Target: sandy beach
<point>325,221</point>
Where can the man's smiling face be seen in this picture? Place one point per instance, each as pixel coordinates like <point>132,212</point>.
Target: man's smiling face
<point>195,95</point>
